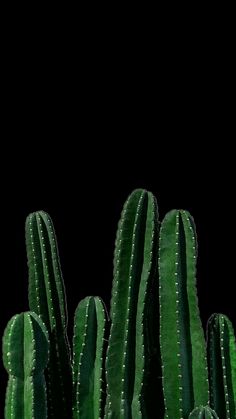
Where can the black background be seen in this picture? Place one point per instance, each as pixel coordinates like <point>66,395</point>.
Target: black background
<point>88,116</point>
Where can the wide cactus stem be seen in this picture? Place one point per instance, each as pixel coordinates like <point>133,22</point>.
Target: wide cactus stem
<point>203,413</point>
<point>221,348</point>
<point>183,352</point>
<point>47,298</point>
<point>128,352</point>
<point>25,355</point>
<point>88,357</point>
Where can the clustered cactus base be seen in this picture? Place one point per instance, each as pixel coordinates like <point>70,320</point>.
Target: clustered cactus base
<point>148,358</point>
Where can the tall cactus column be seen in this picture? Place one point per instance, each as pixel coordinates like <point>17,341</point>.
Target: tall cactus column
<point>47,299</point>
<point>221,348</point>
<point>134,270</point>
<point>183,351</point>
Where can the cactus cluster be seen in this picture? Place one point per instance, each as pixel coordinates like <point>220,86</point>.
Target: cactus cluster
<point>110,371</point>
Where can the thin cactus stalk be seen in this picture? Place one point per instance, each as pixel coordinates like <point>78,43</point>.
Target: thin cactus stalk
<point>221,349</point>
<point>134,270</point>
<point>203,413</point>
<point>183,352</point>
<point>25,355</point>
<point>88,365</point>
<point>47,298</point>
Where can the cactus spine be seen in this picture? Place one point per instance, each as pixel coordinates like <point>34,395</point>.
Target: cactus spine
<point>134,268</point>
<point>221,348</point>
<point>183,353</point>
<point>88,366</point>
<point>203,413</point>
<point>25,355</point>
<point>47,299</point>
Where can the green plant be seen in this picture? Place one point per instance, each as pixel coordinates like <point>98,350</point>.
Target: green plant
<point>222,365</point>
<point>183,351</point>
<point>134,270</point>
<point>119,379</point>
<point>47,298</point>
<point>25,356</point>
<point>88,359</point>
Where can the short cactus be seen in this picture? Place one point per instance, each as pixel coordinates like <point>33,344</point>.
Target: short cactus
<point>88,359</point>
<point>183,351</point>
<point>25,356</point>
<point>221,348</point>
<point>134,269</point>
<point>203,413</point>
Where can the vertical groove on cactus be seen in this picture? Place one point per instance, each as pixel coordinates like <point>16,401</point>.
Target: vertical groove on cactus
<point>185,383</point>
<point>47,298</point>
<point>133,258</point>
<point>88,351</point>
<point>222,365</point>
<point>25,355</point>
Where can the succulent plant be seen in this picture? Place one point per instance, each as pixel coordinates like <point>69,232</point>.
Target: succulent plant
<point>154,326</point>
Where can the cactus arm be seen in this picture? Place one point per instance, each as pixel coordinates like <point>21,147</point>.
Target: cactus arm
<point>222,365</point>
<point>25,355</point>
<point>139,410</point>
<point>88,347</point>
<point>47,298</point>
<point>203,413</point>
<point>185,383</point>
<point>121,305</point>
<point>124,394</point>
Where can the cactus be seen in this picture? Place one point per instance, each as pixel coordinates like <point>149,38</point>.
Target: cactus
<point>131,364</point>
<point>221,349</point>
<point>203,413</point>
<point>88,365</point>
<point>183,351</point>
<point>47,299</point>
<point>25,355</point>
<point>134,269</point>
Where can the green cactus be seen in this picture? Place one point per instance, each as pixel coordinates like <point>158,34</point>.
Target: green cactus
<point>88,365</point>
<point>47,298</point>
<point>25,356</point>
<point>221,349</point>
<point>183,351</point>
<point>203,413</point>
<point>134,269</point>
